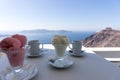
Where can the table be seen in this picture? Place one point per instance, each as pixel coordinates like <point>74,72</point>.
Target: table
<point>89,67</point>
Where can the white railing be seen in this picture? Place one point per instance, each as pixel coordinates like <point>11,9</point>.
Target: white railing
<point>109,53</point>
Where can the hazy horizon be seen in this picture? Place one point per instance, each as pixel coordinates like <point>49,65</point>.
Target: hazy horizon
<point>19,31</point>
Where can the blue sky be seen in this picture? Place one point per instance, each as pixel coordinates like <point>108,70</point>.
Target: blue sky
<point>76,15</point>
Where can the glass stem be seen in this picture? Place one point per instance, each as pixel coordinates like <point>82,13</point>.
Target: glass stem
<point>60,58</point>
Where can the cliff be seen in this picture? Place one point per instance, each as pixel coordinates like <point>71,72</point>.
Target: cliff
<point>105,38</point>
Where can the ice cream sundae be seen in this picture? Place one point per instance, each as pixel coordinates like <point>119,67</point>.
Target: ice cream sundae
<point>60,43</point>
<point>14,48</point>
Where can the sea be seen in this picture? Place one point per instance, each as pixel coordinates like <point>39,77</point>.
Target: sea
<point>46,38</point>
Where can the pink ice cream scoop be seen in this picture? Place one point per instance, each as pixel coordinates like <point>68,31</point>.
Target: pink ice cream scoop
<point>22,39</point>
<point>9,43</point>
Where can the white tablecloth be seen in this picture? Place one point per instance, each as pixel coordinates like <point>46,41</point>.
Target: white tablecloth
<point>89,67</point>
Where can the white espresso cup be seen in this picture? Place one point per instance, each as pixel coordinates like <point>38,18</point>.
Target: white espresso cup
<point>35,47</point>
<point>76,47</point>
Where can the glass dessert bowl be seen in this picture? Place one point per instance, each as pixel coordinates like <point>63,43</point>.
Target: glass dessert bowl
<point>60,44</point>
<point>14,47</point>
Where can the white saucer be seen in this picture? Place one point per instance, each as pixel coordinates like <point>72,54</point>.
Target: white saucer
<point>76,55</point>
<point>60,64</point>
<point>31,69</point>
<point>37,55</point>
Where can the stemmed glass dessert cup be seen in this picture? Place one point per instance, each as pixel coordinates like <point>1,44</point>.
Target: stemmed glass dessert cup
<point>16,60</point>
<point>60,50</point>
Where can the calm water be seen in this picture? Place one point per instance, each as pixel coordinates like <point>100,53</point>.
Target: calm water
<point>46,37</point>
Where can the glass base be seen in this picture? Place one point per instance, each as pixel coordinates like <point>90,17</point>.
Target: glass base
<point>61,59</point>
<point>17,75</point>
